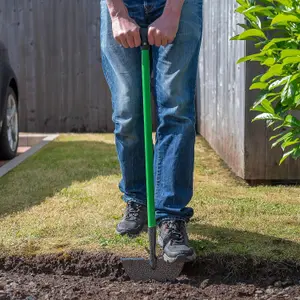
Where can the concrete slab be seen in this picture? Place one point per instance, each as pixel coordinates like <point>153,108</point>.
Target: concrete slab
<point>29,144</point>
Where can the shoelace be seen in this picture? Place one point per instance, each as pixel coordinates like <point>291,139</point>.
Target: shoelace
<point>132,211</point>
<point>175,231</point>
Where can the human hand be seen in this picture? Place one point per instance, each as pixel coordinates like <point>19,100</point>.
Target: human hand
<point>164,29</point>
<point>125,31</point>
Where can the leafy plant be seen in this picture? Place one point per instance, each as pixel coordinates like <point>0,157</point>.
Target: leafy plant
<point>274,26</point>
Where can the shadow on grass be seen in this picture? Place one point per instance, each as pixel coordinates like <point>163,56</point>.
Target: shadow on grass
<point>53,168</point>
<point>231,254</point>
<point>229,240</point>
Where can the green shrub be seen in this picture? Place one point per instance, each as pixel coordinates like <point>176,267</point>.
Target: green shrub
<point>274,26</point>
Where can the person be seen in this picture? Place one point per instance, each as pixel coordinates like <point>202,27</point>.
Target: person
<point>174,34</point>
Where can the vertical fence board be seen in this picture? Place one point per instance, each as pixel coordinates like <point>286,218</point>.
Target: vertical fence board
<point>54,48</point>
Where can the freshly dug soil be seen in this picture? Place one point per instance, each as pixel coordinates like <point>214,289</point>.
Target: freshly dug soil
<point>80,275</point>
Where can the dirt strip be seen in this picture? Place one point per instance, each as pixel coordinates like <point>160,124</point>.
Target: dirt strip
<point>80,275</point>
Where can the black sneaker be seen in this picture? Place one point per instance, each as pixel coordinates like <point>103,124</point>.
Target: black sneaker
<point>134,219</point>
<point>174,241</point>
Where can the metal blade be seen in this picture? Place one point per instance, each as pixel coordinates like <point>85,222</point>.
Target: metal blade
<point>139,269</point>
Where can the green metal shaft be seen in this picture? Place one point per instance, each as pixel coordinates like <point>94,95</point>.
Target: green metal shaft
<point>148,137</point>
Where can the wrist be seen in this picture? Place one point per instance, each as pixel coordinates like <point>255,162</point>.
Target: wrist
<point>116,14</point>
<point>174,7</point>
<point>117,9</point>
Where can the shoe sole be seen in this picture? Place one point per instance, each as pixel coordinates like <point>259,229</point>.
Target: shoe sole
<point>132,235</point>
<point>181,258</point>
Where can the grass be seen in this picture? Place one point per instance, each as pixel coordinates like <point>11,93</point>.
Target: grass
<point>66,197</point>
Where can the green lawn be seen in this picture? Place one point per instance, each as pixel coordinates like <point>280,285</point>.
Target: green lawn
<point>66,197</point>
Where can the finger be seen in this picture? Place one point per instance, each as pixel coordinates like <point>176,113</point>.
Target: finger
<point>164,41</point>
<point>151,35</point>
<point>124,41</point>
<point>170,41</point>
<point>137,39</point>
<point>118,40</point>
<point>130,41</point>
<point>157,38</point>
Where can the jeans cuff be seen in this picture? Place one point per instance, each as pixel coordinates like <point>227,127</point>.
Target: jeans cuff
<point>127,199</point>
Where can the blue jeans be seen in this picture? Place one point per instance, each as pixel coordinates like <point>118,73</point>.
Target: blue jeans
<point>174,74</point>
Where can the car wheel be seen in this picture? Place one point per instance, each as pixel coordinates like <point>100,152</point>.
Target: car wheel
<point>9,137</point>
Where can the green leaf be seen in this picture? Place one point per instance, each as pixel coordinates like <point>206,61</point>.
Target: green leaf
<point>289,143</point>
<point>267,106</point>
<point>267,116</point>
<point>287,3</point>
<point>254,20</point>
<point>241,9</point>
<point>284,137</point>
<point>264,96</point>
<point>291,121</point>
<point>270,123</point>
<point>276,136</point>
<point>279,82</point>
<point>296,153</point>
<point>273,99</point>
<point>260,99</point>
<point>255,56</point>
<point>237,38</point>
<point>243,2</point>
<point>258,86</point>
<point>275,41</point>
<point>267,11</point>
<point>257,78</point>
<point>295,76</point>
<point>291,60</point>
<point>275,70</point>
<point>288,93</point>
<point>289,52</point>
<point>252,33</point>
<point>278,127</point>
<point>269,61</point>
<point>282,18</point>
<point>259,108</point>
<point>285,156</point>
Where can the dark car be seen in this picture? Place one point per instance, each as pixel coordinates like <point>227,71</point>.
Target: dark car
<point>9,121</point>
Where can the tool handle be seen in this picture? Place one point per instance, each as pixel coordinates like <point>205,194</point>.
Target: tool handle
<point>148,136</point>
<point>144,38</point>
<point>148,146</point>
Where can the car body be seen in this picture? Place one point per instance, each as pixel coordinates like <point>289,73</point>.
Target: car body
<point>9,103</point>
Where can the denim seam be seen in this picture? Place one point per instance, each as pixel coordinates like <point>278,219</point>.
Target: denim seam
<point>158,138</point>
<point>157,181</point>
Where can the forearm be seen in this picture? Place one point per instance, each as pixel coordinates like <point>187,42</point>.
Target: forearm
<point>116,8</point>
<point>174,7</point>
